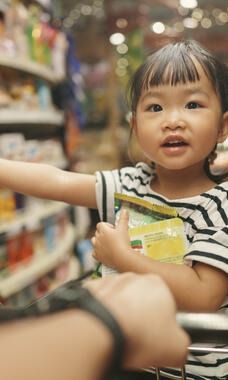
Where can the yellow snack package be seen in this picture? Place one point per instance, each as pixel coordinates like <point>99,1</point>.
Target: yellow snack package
<point>164,241</point>
<point>155,230</point>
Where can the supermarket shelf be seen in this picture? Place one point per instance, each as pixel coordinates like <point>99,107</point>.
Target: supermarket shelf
<point>62,163</point>
<point>14,116</point>
<point>74,269</point>
<point>33,215</point>
<point>38,267</point>
<point>28,66</point>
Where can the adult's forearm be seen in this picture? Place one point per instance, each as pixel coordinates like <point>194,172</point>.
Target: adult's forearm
<point>68,345</point>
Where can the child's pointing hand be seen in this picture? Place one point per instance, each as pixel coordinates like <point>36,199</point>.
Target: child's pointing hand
<point>111,243</point>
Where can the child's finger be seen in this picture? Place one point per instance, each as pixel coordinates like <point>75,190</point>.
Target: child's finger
<point>101,225</point>
<point>123,220</point>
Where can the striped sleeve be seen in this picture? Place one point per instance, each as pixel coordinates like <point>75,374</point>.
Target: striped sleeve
<point>210,248</point>
<point>209,243</point>
<point>128,180</point>
<point>107,183</point>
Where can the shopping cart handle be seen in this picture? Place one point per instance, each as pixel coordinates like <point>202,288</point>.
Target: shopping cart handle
<point>205,327</point>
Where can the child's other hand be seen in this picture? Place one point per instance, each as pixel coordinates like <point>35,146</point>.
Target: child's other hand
<point>111,243</point>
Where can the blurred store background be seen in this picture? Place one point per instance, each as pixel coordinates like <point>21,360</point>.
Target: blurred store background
<point>112,37</point>
<point>64,69</point>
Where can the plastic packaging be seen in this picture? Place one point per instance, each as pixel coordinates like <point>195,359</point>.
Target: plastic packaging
<point>155,230</point>
<point>141,212</point>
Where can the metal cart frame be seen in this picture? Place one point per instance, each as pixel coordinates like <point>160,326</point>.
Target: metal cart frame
<point>210,328</point>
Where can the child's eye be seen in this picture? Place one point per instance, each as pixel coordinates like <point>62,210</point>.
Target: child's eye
<point>193,105</point>
<point>155,108</point>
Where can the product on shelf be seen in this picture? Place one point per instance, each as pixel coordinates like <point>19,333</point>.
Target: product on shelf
<point>84,251</point>
<point>32,151</point>
<point>7,205</point>
<point>19,91</point>
<point>25,33</point>
<point>26,243</point>
<point>31,240</point>
<point>50,233</point>
<point>36,241</point>
<point>13,247</point>
<point>13,146</point>
<point>51,151</point>
<point>4,261</point>
<point>41,286</point>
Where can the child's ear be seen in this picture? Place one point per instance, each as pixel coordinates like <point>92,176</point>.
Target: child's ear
<point>223,132</point>
<point>133,124</point>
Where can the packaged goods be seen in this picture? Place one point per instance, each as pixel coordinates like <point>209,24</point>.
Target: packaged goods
<point>13,247</point>
<point>7,205</point>
<point>155,230</point>
<point>26,244</point>
<point>4,270</point>
<point>163,241</point>
<point>141,212</point>
<point>50,233</point>
<point>11,146</point>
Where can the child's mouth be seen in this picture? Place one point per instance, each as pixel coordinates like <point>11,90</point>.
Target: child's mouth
<point>174,144</point>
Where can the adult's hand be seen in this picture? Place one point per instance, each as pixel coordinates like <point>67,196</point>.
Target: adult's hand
<point>145,310</point>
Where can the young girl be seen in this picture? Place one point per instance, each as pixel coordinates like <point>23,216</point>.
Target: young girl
<point>179,114</point>
<point>179,103</point>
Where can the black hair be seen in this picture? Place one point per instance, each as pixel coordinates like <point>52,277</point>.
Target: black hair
<point>173,64</point>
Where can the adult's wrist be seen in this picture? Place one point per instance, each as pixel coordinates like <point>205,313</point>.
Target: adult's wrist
<point>96,347</point>
<point>72,295</point>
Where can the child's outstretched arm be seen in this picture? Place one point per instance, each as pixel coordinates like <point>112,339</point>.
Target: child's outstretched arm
<point>198,288</point>
<point>48,182</point>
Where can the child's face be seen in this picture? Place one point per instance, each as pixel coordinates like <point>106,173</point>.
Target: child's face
<point>178,126</point>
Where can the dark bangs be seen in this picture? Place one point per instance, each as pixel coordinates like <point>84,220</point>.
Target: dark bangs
<point>174,67</point>
<point>173,64</point>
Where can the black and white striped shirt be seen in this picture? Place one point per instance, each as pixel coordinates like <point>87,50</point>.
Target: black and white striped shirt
<point>205,219</point>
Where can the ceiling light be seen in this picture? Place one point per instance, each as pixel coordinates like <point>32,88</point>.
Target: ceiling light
<point>122,62</point>
<point>121,23</point>
<point>206,23</point>
<point>189,3</point>
<point>216,12</point>
<point>190,23</point>
<point>158,27</point>
<point>117,38</point>
<point>86,10</point>
<point>197,14</point>
<point>121,72</point>
<point>122,49</point>
<point>183,11</point>
<point>223,17</point>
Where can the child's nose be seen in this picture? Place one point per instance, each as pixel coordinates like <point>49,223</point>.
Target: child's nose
<point>174,121</point>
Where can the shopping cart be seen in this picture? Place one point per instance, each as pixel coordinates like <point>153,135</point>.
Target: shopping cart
<point>203,328</point>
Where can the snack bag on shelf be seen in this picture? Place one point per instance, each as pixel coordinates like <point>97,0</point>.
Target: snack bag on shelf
<point>13,247</point>
<point>155,230</point>
<point>4,261</point>
<point>7,205</point>
<point>12,146</point>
